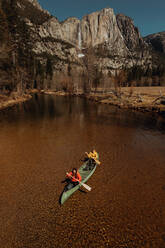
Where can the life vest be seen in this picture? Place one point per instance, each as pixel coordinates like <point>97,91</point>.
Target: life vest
<point>73,178</point>
<point>94,155</point>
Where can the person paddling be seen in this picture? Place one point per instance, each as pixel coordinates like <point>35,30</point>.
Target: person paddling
<point>92,160</point>
<point>73,179</point>
<point>93,155</point>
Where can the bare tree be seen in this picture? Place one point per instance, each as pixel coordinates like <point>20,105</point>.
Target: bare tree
<point>119,79</point>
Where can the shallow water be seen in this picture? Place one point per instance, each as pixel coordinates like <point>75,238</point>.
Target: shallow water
<point>47,136</point>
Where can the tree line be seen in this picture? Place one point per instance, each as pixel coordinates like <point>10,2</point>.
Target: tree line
<point>20,68</point>
<point>92,78</point>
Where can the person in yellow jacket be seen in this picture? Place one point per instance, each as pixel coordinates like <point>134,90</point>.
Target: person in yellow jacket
<point>92,159</point>
<point>93,155</point>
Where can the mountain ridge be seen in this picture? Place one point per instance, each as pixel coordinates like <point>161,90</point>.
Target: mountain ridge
<point>157,40</point>
<point>116,44</point>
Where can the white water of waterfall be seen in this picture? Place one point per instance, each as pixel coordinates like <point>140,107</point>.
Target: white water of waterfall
<point>80,55</point>
<point>79,38</point>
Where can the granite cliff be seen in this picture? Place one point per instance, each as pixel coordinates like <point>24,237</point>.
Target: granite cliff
<point>117,38</point>
<point>44,47</point>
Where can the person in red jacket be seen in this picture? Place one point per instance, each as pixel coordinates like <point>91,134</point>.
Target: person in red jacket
<point>74,178</point>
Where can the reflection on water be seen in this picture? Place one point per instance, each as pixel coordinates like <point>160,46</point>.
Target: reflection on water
<point>44,138</point>
<point>50,107</point>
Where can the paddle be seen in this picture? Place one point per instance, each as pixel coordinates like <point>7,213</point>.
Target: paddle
<point>83,184</point>
<point>91,155</point>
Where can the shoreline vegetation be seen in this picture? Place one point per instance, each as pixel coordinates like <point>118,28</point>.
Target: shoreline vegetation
<point>144,99</point>
<point>14,99</point>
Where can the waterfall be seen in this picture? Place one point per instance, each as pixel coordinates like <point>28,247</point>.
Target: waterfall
<point>79,38</point>
<point>80,55</point>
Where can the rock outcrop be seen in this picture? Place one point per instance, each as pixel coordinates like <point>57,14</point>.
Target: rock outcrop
<point>70,30</point>
<point>157,41</point>
<point>47,36</point>
<point>36,4</point>
<point>130,33</point>
<point>100,27</point>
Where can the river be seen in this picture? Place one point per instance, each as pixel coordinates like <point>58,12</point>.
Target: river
<point>42,139</point>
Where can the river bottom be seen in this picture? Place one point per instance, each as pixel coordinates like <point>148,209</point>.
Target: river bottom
<point>44,138</point>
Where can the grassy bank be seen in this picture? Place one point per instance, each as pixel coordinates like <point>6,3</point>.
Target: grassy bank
<point>6,102</point>
<point>9,101</point>
<point>145,99</point>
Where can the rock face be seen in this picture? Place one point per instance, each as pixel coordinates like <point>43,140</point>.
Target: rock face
<point>116,37</point>
<point>36,4</point>
<point>47,35</point>
<point>157,41</point>
<point>100,27</point>
<point>115,40</point>
<point>70,29</point>
<point>31,10</point>
<point>130,33</point>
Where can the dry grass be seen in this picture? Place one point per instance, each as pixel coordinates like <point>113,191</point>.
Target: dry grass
<point>150,91</point>
<point>6,102</point>
<point>138,98</point>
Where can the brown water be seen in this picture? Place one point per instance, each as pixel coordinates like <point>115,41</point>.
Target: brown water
<point>47,136</point>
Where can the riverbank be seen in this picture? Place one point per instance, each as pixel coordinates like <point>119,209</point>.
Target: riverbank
<point>9,101</point>
<point>144,99</point>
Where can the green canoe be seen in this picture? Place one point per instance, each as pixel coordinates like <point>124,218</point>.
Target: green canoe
<point>85,174</point>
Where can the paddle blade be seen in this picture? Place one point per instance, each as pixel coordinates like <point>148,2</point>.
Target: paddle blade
<point>86,186</point>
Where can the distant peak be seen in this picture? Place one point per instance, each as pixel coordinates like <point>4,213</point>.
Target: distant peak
<point>154,35</point>
<point>35,3</point>
<point>107,9</point>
